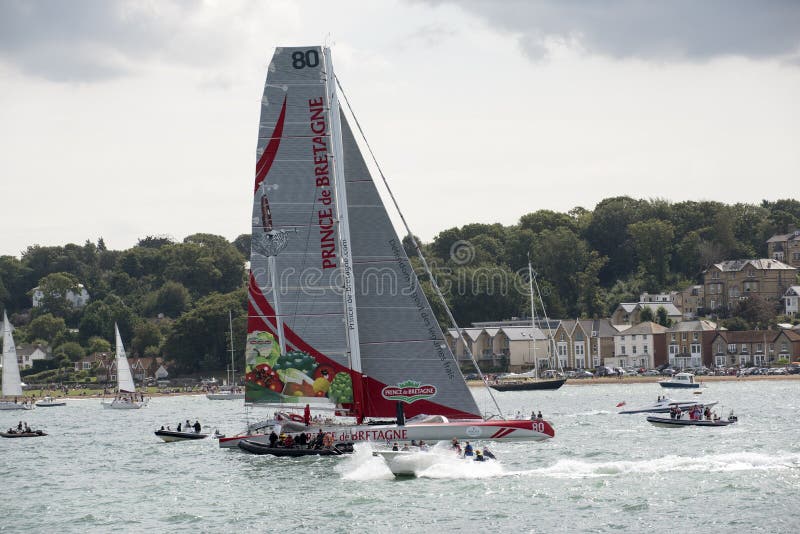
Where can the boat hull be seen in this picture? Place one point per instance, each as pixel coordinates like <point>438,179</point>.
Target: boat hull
<point>225,396</point>
<point>664,407</point>
<point>678,385</point>
<point>495,430</point>
<point>5,405</point>
<point>172,435</point>
<point>36,434</point>
<point>49,402</point>
<point>529,385</point>
<point>668,422</point>
<point>117,405</point>
<point>255,447</point>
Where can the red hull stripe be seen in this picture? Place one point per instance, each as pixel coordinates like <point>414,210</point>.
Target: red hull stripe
<point>376,405</point>
<point>266,159</point>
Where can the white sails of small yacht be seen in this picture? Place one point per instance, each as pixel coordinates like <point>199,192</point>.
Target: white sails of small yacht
<point>12,383</point>
<point>126,397</point>
<point>336,313</point>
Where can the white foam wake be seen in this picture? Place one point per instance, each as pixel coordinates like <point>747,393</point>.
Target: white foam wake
<point>738,461</point>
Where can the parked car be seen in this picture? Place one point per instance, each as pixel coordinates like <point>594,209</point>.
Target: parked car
<point>668,371</point>
<point>583,373</point>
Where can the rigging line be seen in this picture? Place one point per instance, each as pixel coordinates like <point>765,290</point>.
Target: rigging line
<point>432,278</point>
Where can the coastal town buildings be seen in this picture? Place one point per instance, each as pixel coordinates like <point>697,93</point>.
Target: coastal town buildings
<point>791,301</point>
<point>27,353</point>
<point>785,247</point>
<point>689,344</point>
<point>642,345</point>
<point>725,283</point>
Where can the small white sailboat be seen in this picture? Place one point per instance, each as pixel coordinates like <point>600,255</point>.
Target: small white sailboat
<point>232,392</point>
<point>12,383</point>
<point>126,398</point>
<point>337,317</point>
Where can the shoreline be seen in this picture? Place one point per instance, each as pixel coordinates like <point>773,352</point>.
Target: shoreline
<point>656,379</point>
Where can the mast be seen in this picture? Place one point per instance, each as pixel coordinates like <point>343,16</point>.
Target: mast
<point>233,369</point>
<point>346,254</point>
<point>533,317</point>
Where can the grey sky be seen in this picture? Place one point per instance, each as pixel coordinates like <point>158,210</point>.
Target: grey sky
<point>125,119</point>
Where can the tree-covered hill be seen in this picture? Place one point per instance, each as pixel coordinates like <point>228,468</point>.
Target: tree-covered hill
<point>172,298</point>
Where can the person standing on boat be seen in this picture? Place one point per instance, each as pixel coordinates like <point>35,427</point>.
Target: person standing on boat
<point>179,427</point>
<point>273,438</point>
<point>197,426</point>
<point>307,415</point>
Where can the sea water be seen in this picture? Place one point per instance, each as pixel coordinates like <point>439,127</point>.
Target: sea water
<point>100,470</point>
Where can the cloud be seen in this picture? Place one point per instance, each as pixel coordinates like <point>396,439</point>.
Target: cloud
<point>90,40</point>
<point>676,30</point>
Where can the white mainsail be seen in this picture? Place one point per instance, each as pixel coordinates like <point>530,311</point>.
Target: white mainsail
<point>12,383</point>
<point>124,377</point>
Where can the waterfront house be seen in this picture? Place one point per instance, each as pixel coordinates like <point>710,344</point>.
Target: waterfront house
<point>744,348</point>
<point>725,283</point>
<point>584,343</point>
<point>639,346</point>
<point>787,345</point>
<point>27,353</point>
<point>785,247</point>
<point>791,301</point>
<point>630,312</point>
<point>689,344</point>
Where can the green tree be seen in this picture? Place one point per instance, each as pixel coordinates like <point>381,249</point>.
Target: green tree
<point>145,334</point>
<point>652,240</point>
<point>46,327</point>
<point>171,299</point>
<point>98,344</point>
<point>735,324</point>
<point>199,335</point>
<point>758,312</point>
<point>55,288</point>
<point>646,315</point>
<point>71,350</point>
<point>662,317</point>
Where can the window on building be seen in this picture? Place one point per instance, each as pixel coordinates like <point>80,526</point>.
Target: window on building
<point>634,349</point>
<point>673,350</point>
<point>695,336</point>
<point>745,349</point>
<point>695,349</point>
<point>622,349</point>
<point>732,347</point>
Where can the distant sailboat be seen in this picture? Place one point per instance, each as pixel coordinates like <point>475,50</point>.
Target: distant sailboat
<point>337,317</point>
<point>12,383</point>
<point>126,398</point>
<point>232,393</point>
<point>526,382</point>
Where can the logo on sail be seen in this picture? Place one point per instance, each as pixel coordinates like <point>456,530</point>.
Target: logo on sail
<point>409,391</point>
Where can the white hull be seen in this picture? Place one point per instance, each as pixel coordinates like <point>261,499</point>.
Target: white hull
<point>225,396</point>
<point>7,405</point>
<point>123,405</point>
<point>496,430</point>
<point>48,402</point>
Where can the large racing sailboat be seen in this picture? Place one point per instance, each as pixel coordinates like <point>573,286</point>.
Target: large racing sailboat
<point>337,317</point>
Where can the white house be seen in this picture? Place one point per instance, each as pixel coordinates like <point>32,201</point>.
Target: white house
<point>791,300</point>
<point>27,354</point>
<point>637,346</point>
<point>76,300</point>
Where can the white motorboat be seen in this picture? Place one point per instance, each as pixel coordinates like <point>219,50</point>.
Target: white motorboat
<point>49,402</point>
<point>414,460</point>
<point>680,380</point>
<point>664,405</point>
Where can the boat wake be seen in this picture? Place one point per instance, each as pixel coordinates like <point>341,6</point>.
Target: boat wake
<point>740,461</point>
<point>438,463</point>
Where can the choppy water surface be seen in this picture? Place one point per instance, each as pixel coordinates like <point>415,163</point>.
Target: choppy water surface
<point>100,470</point>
